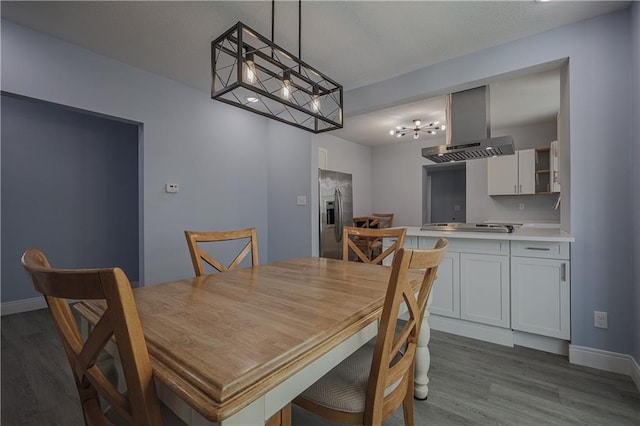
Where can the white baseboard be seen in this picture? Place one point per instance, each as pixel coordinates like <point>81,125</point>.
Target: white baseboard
<point>541,343</point>
<point>498,335</point>
<point>605,360</point>
<point>635,372</point>
<point>487,333</point>
<point>24,305</point>
<point>32,304</point>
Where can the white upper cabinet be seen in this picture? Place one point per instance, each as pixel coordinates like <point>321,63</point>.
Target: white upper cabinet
<point>512,174</point>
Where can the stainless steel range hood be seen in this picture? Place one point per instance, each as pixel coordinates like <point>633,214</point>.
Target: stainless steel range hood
<point>469,132</point>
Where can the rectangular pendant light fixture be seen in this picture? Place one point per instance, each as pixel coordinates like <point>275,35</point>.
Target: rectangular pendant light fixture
<point>253,73</point>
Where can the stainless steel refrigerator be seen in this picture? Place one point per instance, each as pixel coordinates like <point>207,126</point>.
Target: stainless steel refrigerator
<point>336,210</point>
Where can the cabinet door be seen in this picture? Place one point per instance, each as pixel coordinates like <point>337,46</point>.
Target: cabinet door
<point>540,298</point>
<point>502,175</point>
<point>446,289</point>
<point>484,289</point>
<point>526,171</point>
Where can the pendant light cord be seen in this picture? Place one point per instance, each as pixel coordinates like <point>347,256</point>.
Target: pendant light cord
<point>273,14</point>
<point>299,33</point>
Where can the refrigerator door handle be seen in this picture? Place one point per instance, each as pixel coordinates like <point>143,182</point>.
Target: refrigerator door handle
<point>338,227</point>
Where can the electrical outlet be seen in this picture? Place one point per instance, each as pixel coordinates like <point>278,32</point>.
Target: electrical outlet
<point>600,319</point>
<point>301,200</point>
<point>521,206</point>
<point>172,188</point>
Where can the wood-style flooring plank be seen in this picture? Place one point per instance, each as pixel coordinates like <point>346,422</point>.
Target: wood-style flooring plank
<point>471,383</point>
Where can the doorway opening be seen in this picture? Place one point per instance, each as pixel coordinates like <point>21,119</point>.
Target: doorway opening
<point>71,186</point>
<point>444,193</point>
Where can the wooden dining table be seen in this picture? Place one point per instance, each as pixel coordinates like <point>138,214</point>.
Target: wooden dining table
<point>236,347</point>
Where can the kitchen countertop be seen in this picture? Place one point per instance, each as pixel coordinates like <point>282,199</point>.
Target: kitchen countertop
<point>522,233</point>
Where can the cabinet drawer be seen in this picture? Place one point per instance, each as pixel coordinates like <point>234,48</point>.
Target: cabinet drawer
<point>465,245</point>
<point>544,249</point>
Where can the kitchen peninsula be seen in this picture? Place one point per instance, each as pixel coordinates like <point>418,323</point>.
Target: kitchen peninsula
<point>506,288</point>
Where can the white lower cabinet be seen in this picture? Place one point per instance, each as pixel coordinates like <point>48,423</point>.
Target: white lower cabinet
<point>473,281</point>
<point>484,289</point>
<point>514,285</point>
<point>540,296</point>
<point>446,288</point>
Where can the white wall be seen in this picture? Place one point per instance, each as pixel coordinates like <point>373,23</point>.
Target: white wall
<point>531,135</point>
<point>397,182</point>
<point>349,157</point>
<point>217,153</point>
<point>538,208</point>
<point>599,76</point>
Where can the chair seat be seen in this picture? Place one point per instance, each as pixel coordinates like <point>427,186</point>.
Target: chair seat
<point>345,387</point>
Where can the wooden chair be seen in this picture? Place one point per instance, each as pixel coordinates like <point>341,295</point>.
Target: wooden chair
<point>385,219</point>
<point>366,222</point>
<point>353,238</point>
<point>372,383</point>
<point>139,406</point>
<point>198,254</point>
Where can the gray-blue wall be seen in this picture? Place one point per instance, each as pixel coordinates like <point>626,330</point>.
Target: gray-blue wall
<point>218,154</point>
<point>289,163</point>
<point>69,187</point>
<point>634,159</point>
<point>600,209</point>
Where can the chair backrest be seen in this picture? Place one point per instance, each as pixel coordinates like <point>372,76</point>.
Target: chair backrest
<point>140,405</point>
<point>386,219</point>
<point>366,222</point>
<point>198,254</point>
<point>352,236</point>
<point>391,375</point>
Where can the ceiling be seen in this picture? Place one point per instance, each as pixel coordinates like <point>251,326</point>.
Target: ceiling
<point>354,42</point>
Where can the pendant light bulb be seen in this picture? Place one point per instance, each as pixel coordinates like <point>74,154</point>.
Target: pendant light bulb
<point>250,75</point>
<point>285,93</point>
<point>315,100</point>
<point>415,135</point>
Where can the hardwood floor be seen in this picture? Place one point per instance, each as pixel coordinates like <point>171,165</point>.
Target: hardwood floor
<point>472,383</point>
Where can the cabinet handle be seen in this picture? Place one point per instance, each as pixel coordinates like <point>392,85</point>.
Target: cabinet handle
<point>563,272</point>
<point>520,187</point>
<point>538,248</point>
<point>515,189</point>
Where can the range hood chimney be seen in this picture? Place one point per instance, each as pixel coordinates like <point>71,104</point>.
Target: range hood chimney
<point>468,130</point>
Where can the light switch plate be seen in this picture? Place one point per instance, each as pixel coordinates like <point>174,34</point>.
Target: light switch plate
<point>301,200</point>
<point>172,188</point>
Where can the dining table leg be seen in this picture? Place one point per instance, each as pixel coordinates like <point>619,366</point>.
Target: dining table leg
<point>423,357</point>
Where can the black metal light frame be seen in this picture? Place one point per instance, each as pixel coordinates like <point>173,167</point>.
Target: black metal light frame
<point>315,101</point>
